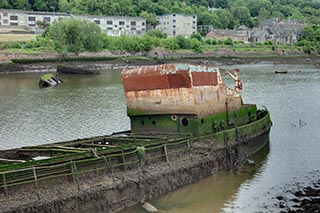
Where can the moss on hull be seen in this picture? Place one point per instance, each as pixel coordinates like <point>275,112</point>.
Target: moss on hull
<point>188,123</point>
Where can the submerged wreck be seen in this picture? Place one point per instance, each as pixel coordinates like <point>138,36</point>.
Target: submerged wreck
<point>48,80</point>
<point>185,125</point>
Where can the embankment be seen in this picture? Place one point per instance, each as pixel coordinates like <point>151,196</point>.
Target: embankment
<point>19,63</point>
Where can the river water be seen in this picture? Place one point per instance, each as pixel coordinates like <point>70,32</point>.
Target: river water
<point>91,105</point>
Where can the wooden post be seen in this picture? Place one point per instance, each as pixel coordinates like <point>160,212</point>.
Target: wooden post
<point>123,161</point>
<point>189,148</point>
<point>166,153</point>
<point>4,181</point>
<point>225,136</point>
<point>236,134</point>
<point>75,173</point>
<point>36,181</point>
<point>109,166</point>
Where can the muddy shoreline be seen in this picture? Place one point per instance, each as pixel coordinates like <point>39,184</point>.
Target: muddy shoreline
<point>96,66</point>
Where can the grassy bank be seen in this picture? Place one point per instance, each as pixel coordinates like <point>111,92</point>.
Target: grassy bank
<point>17,37</point>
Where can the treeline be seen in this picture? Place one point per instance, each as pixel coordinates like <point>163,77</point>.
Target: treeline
<point>218,13</point>
<point>72,35</point>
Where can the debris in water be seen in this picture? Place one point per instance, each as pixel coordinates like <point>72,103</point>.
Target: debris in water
<point>149,207</point>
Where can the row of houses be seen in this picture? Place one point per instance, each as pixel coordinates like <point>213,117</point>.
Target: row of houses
<point>171,24</point>
<point>112,25</point>
<point>284,31</point>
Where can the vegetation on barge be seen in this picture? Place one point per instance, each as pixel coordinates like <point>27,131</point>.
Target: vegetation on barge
<point>116,153</point>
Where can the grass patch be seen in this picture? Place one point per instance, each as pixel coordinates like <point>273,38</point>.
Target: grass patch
<point>17,37</point>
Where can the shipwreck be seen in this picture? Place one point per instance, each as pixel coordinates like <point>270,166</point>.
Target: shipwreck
<point>185,124</point>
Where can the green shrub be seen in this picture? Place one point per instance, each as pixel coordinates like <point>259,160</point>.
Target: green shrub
<point>228,41</point>
<point>171,44</point>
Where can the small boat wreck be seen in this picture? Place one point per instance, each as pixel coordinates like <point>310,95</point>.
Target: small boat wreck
<point>48,80</point>
<point>185,125</point>
<point>281,72</point>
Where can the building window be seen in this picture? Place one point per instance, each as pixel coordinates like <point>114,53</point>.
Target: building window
<point>121,23</point>
<point>5,21</point>
<point>13,24</point>
<point>5,14</point>
<point>115,26</point>
<point>46,19</point>
<point>174,15</point>
<point>133,28</point>
<point>13,18</point>
<point>173,20</point>
<point>109,22</point>
<point>97,21</point>
<point>0,17</point>
<point>31,18</point>
<point>174,26</point>
<point>133,23</point>
<point>143,23</point>
<point>32,25</point>
<point>109,28</point>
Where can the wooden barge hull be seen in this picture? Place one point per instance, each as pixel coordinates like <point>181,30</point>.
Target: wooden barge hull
<point>219,151</point>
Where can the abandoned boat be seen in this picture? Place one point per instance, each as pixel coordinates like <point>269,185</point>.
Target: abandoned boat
<point>48,80</point>
<point>180,114</point>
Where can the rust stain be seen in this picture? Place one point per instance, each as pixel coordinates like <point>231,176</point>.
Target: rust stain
<point>204,78</point>
<point>157,78</point>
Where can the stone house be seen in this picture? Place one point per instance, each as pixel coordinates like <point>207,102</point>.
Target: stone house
<point>284,31</point>
<point>259,35</point>
<point>240,34</point>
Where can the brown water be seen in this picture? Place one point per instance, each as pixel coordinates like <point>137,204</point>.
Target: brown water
<point>86,106</point>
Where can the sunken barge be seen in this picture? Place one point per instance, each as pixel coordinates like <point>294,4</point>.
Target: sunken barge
<point>185,125</point>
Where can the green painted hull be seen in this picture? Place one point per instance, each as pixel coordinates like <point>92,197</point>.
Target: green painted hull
<point>188,123</point>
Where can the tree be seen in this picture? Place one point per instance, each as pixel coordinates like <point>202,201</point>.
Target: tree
<point>156,33</point>
<point>151,19</point>
<point>264,14</point>
<point>255,6</point>
<point>241,14</point>
<point>71,35</point>
<point>5,4</point>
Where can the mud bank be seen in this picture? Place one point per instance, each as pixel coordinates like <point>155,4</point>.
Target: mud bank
<point>105,192</point>
<point>97,66</point>
<point>304,199</point>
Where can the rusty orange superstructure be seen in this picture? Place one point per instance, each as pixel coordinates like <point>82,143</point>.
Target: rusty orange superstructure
<point>185,93</point>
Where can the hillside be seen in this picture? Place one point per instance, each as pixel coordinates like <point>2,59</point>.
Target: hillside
<point>218,13</point>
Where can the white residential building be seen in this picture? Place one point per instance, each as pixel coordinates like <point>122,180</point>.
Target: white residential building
<point>177,24</point>
<point>112,25</point>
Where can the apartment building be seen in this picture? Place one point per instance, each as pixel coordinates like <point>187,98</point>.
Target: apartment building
<point>177,24</point>
<point>112,25</point>
<point>117,25</point>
